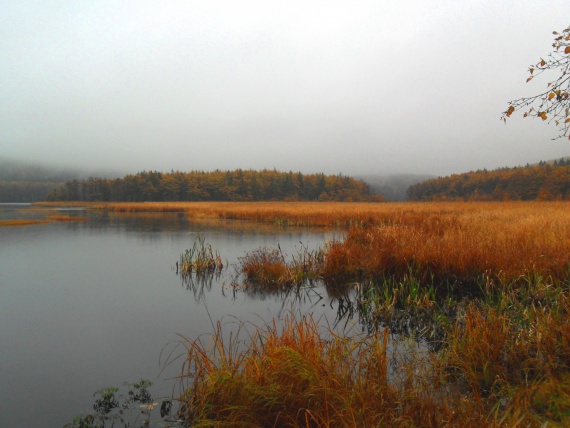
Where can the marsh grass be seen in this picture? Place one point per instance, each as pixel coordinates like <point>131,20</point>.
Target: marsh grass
<point>65,218</point>
<point>481,289</point>
<point>501,362</point>
<point>21,222</point>
<point>269,267</point>
<point>200,259</point>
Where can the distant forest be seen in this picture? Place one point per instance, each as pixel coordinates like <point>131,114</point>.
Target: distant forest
<point>543,181</point>
<point>238,185</point>
<point>28,182</point>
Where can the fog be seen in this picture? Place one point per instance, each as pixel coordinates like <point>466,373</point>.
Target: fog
<point>352,87</point>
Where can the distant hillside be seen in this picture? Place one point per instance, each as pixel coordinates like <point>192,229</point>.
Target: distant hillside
<point>393,187</point>
<point>238,185</point>
<point>22,181</point>
<point>543,181</point>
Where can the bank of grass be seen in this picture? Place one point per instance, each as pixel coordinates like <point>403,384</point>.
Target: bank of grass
<point>504,361</point>
<point>45,220</point>
<point>21,222</point>
<point>451,241</point>
<point>493,278</point>
<point>486,285</point>
<point>65,218</point>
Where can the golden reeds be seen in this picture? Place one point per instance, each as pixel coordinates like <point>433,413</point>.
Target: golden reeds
<point>200,259</point>
<point>61,217</point>
<point>21,222</point>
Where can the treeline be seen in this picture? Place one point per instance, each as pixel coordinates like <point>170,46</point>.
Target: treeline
<point>238,185</point>
<point>544,181</point>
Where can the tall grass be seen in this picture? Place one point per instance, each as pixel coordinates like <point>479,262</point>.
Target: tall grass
<point>269,267</point>
<point>200,259</point>
<point>21,222</point>
<point>453,242</point>
<point>502,362</point>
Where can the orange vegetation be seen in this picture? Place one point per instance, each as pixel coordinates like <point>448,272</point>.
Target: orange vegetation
<point>60,217</point>
<point>446,240</point>
<point>21,222</point>
<point>459,241</point>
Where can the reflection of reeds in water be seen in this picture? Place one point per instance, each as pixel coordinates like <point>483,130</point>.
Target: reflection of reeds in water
<point>200,259</point>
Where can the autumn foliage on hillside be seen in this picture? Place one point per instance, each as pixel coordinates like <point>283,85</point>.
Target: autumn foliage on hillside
<point>539,182</point>
<point>238,185</point>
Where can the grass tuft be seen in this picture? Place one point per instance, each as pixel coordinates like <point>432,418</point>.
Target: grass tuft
<point>200,259</point>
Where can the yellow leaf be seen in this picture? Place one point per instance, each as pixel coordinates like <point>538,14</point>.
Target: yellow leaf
<point>567,120</point>
<point>567,50</point>
<point>542,115</point>
<point>551,95</point>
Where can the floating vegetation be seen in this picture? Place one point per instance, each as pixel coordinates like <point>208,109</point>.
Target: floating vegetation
<point>135,409</point>
<point>199,259</point>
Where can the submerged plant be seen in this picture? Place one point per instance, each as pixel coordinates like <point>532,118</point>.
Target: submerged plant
<point>131,410</point>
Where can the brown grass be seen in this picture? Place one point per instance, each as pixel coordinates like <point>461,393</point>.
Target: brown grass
<point>464,242</point>
<point>60,217</point>
<point>21,222</point>
<point>445,241</point>
<point>504,362</point>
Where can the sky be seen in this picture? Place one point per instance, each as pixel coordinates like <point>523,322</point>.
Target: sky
<point>353,87</point>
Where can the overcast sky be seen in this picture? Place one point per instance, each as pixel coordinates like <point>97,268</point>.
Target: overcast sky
<point>352,87</point>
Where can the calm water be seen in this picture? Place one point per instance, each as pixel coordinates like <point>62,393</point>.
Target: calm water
<point>89,305</point>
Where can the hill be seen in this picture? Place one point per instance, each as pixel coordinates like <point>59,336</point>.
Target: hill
<point>543,181</point>
<point>22,181</point>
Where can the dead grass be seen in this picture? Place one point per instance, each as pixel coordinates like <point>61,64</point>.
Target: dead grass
<point>505,362</point>
<point>63,218</point>
<point>463,243</point>
<point>21,222</point>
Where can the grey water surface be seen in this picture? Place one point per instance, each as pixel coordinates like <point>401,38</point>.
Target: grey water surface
<point>88,305</point>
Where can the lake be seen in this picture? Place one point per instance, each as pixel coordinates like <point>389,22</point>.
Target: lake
<point>88,305</point>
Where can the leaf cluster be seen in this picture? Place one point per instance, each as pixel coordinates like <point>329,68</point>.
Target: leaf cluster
<point>552,105</point>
